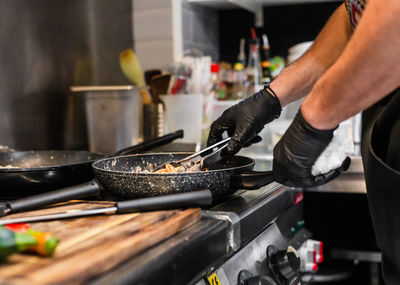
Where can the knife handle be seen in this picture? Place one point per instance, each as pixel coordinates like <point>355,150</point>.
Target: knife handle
<point>88,189</point>
<point>172,201</point>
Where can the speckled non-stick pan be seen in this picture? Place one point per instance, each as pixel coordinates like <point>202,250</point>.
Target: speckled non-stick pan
<point>231,173</point>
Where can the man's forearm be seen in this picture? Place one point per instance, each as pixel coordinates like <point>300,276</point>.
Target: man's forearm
<point>299,78</point>
<point>367,70</point>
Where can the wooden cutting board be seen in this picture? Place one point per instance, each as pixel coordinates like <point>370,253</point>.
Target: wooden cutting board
<point>91,246</point>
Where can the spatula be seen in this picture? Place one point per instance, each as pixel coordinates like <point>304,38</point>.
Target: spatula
<point>131,67</point>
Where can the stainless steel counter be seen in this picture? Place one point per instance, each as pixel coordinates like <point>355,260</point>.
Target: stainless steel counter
<point>351,181</point>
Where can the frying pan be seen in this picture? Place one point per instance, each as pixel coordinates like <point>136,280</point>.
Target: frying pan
<point>225,177</point>
<point>41,171</point>
<point>116,176</point>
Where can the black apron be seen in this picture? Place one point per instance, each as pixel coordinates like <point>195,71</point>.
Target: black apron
<point>381,159</point>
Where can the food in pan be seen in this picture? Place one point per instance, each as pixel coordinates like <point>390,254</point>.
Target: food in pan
<point>7,166</point>
<point>169,168</point>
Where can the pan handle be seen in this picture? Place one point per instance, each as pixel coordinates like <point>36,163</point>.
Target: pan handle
<point>147,145</point>
<point>251,179</point>
<point>172,201</point>
<point>88,189</point>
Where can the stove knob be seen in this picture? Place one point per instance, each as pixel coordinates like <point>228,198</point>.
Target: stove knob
<point>260,280</point>
<point>246,278</point>
<point>286,262</point>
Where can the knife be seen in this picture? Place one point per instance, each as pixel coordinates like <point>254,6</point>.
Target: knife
<point>172,201</point>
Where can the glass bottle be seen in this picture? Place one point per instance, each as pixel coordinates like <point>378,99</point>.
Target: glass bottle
<point>253,67</point>
<point>239,89</point>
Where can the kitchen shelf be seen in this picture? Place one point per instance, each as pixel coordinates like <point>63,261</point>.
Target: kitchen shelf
<point>253,6</point>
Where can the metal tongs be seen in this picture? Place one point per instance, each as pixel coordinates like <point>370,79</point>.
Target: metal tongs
<point>205,157</point>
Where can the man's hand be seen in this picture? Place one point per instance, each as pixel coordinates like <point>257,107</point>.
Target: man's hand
<point>297,151</point>
<point>245,120</point>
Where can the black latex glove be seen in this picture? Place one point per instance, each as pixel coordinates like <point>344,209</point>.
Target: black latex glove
<point>296,153</point>
<point>245,120</point>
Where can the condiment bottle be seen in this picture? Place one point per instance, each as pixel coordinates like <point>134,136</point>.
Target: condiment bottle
<point>253,66</point>
<point>266,61</point>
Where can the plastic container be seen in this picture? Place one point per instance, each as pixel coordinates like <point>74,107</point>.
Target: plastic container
<point>278,128</point>
<point>184,112</point>
<point>113,116</point>
<point>218,107</point>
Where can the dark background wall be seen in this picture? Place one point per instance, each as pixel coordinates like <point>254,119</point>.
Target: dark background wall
<point>200,29</point>
<point>48,45</point>
<point>45,47</point>
<point>284,25</point>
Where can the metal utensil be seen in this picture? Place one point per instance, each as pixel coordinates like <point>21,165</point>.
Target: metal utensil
<point>153,120</point>
<point>173,201</point>
<point>205,157</point>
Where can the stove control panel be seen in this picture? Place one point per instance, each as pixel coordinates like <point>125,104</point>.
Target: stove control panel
<point>267,260</point>
<point>246,278</point>
<point>311,254</point>
<point>283,264</point>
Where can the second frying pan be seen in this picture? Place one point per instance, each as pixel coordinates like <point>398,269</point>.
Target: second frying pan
<point>24,173</point>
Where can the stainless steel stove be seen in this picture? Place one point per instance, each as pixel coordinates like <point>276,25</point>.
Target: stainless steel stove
<point>252,237</point>
<point>278,254</point>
